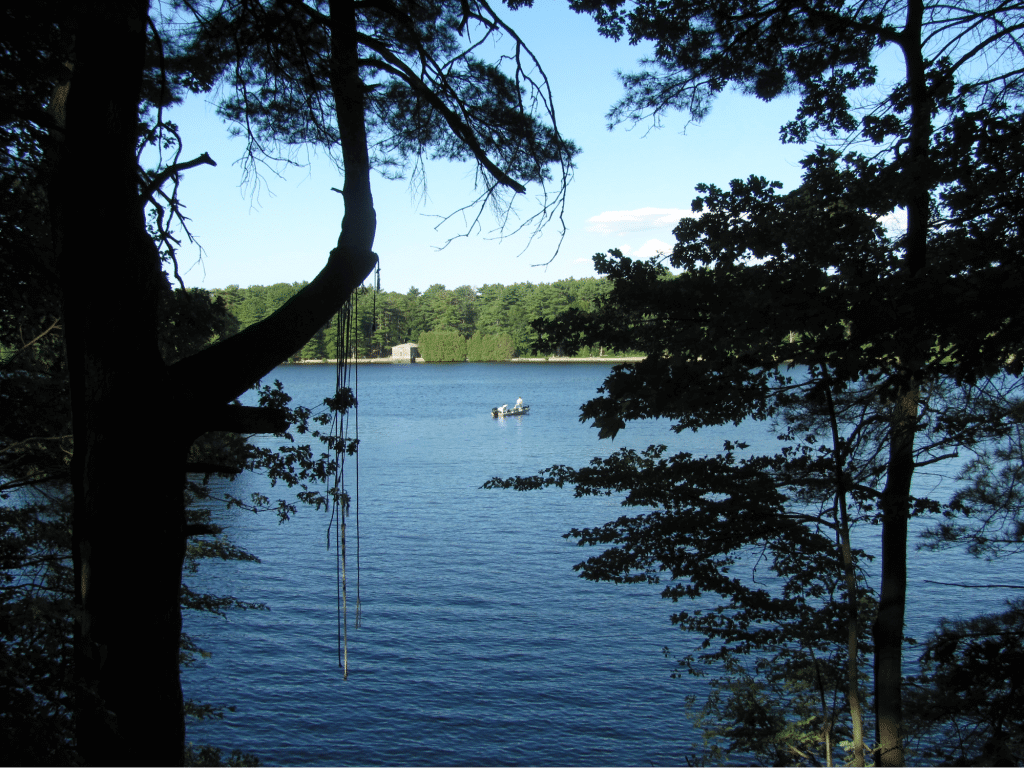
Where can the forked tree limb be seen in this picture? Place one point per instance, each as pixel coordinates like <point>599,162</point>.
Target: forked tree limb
<point>217,375</point>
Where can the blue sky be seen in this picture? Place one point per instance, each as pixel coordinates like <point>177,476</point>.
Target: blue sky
<point>631,184</point>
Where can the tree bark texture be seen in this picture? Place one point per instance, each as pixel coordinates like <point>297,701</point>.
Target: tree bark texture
<point>133,417</point>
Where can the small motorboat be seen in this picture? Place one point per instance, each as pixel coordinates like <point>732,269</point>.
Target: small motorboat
<point>504,410</point>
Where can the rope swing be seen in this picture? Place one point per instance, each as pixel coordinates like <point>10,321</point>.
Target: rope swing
<point>344,442</point>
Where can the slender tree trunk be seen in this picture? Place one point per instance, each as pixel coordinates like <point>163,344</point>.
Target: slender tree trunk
<point>888,629</point>
<point>850,573</point>
<point>852,645</point>
<point>852,641</point>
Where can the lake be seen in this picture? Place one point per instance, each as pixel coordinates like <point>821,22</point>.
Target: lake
<point>479,645</point>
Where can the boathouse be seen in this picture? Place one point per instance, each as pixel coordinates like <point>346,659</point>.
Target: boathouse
<point>404,353</point>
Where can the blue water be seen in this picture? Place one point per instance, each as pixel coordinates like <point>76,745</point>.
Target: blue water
<point>479,645</point>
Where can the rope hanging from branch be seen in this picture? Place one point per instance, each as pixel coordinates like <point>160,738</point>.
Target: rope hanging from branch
<point>345,443</point>
<point>343,405</point>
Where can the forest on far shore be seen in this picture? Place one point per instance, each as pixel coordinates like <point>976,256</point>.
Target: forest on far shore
<point>498,316</point>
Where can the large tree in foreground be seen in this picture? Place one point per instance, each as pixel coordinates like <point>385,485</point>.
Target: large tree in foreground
<point>955,89</point>
<point>386,82</point>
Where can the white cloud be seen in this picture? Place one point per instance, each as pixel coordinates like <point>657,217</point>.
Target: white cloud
<point>638,220</point>
<point>651,248</point>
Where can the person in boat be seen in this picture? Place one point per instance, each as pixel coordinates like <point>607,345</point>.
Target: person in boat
<point>503,408</point>
<point>519,403</point>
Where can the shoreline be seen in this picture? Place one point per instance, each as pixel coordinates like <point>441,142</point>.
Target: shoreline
<point>420,360</point>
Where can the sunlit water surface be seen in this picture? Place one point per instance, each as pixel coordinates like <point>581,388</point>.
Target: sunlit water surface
<point>478,645</point>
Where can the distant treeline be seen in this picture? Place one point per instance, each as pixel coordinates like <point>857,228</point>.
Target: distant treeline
<point>493,322</point>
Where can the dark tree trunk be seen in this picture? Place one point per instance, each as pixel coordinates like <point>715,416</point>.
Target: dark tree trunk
<point>128,541</point>
<point>895,501</point>
<point>133,417</point>
<point>888,629</point>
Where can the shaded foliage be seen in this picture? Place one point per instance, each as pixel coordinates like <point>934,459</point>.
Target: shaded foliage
<point>967,704</point>
<point>36,591</point>
<point>759,282</point>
